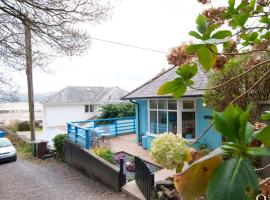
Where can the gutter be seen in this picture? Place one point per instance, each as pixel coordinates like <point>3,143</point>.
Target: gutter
<point>139,131</point>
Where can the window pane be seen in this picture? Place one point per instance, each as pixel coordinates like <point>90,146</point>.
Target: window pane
<point>86,108</point>
<point>188,125</point>
<point>162,104</point>
<point>188,104</point>
<point>91,108</point>
<point>162,121</point>
<point>153,121</point>
<point>153,104</point>
<point>172,122</point>
<point>172,104</point>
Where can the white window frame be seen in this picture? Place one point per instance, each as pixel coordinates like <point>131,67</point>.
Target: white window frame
<point>179,111</point>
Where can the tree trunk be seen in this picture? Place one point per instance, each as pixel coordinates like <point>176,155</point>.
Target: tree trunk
<point>28,57</point>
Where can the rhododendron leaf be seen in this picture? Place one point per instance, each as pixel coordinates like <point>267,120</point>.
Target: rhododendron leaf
<point>266,116</point>
<point>170,86</point>
<point>235,179</point>
<point>195,34</point>
<point>222,34</point>
<point>263,135</point>
<point>207,56</point>
<point>192,182</point>
<point>187,71</point>
<point>201,22</point>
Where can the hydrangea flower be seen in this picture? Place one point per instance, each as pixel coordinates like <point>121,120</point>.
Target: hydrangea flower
<point>170,151</point>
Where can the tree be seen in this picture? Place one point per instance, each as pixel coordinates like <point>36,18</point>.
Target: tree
<point>34,30</point>
<point>117,110</point>
<point>248,33</point>
<point>219,98</point>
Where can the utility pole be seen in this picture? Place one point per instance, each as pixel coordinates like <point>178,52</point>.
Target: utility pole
<point>29,69</point>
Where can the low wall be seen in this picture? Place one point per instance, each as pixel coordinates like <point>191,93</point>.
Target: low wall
<point>92,165</point>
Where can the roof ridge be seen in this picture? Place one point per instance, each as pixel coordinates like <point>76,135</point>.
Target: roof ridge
<point>54,94</point>
<point>152,79</point>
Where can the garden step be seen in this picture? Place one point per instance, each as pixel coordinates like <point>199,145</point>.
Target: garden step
<point>131,189</point>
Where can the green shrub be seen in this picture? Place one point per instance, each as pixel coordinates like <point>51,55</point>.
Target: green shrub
<point>58,143</point>
<point>24,126</point>
<point>117,110</point>
<point>105,153</point>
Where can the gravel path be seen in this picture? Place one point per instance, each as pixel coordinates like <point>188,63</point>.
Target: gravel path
<point>32,180</point>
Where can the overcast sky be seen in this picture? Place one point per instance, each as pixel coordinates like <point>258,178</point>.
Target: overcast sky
<point>154,24</point>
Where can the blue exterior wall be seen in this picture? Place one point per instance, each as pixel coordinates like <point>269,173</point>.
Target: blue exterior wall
<point>212,139</point>
<point>143,117</point>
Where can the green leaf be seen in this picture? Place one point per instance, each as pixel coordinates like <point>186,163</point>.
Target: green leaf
<point>187,71</point>
<point>258,151</point>
<point>170,86</point>
<point>266,116</point>
<point>263,135</point>
<point>252,4</point>
<point>176,87</point>
<point>266,35</point>
<point>192,48</point>
<point>253,36</point>
<point>195,34</point>
<point>208,32</point>
<point>241,19</point>
<point>180,91</point>
<point>201,22</point>
<point>192,182</point>
<point>231,4</point>
<point>233,124</point>
<point>232,180</point>
<point>246,129</point>
<point>222,34</point>
<point>265,20</point>
<point>206,56</point>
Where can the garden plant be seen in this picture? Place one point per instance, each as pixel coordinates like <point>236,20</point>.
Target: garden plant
<point>225,34</point>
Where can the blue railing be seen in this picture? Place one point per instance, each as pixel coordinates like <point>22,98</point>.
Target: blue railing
<point>80,131</point>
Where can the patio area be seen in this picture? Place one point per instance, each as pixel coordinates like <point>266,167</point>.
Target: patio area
<point>127,143</point>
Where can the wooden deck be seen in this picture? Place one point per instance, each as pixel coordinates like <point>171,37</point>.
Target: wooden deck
<point>128,144</point>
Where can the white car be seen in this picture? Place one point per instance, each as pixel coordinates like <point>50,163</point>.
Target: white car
<point>7,150</point>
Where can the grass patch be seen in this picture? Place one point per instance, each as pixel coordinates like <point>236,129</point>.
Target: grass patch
<point>27,148</point>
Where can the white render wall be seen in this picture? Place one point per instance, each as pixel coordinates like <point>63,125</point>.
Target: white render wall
<point>59,115</point>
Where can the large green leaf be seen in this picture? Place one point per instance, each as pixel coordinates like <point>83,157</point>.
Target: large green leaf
<point>241,19</point>
<point>266,116</point>
<point>207,55</point>
<point>234,125</point>
<point>222,34</point>
<point>227,122</point>
<point>263,135</point>
<point>246,129</point>
<point>232,180</point>
<point>192,182</point>
<point>195,34</point>
<point>201,22</point>
<point>176,87</point>
<point>187,71</point>
<point>231,3</point>
<point>193,48</point>
<point>258,151</point>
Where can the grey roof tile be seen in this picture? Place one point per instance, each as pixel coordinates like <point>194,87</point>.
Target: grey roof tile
<point>149,89</point>
<point>86,95</point>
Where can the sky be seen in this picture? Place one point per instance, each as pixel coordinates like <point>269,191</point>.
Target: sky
<point>153,24</point>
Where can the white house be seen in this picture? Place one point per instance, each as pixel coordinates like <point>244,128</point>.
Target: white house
<point>76,103</point>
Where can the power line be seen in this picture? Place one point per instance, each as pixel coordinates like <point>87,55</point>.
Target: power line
<point>129,45</point>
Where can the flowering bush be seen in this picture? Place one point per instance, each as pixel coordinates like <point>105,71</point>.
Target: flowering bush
<point>170,151</point>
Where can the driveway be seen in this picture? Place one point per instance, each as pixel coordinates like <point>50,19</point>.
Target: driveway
<point>36,180</point>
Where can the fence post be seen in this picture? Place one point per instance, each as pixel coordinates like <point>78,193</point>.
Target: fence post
<point>76,134</point>
<point>87,139</point>
<point>68,130</point>
<point>116,129</point>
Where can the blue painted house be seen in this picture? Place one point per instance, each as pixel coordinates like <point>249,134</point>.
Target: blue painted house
<point>186,115</point>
